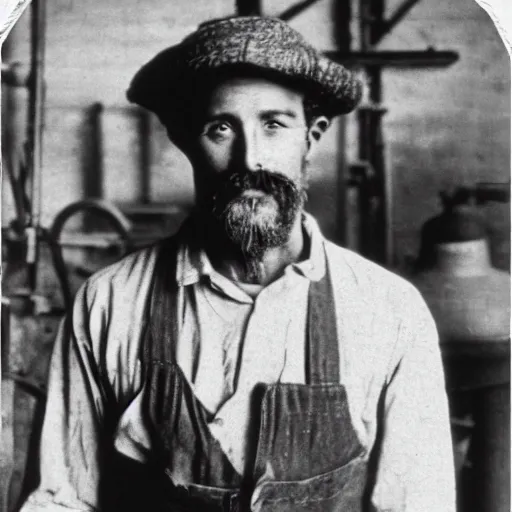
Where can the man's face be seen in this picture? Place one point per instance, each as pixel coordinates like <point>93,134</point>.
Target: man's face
<point>249,161</point>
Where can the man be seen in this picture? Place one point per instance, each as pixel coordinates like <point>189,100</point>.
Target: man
<point>246,363</point>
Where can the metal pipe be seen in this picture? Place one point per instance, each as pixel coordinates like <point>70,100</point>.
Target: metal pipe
<point>385,27</point>
<point>342,15</point>
<point>94,171</point>
<point>356,207</point>
<point>7,432</point>
<point>248,7</point>
<point>396,59</point>
<point>5,340</point>
<point>144,126</point>
<point>36,100</point>
<point>14,124</point>
<point>365,19</point>
<point>296,9</point>
<point>499,192</point>
<point>35,133</point>
<point>119,220</point>
<point>375,221</point>
<point>52,236</point>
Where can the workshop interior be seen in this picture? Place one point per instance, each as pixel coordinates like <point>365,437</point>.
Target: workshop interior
<point>421,165</point>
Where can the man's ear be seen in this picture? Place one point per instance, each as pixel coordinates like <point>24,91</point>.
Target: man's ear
<point>316,129</point>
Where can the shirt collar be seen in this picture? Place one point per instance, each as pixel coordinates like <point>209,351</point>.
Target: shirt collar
<point>312,268</point>
<point>193,262</point>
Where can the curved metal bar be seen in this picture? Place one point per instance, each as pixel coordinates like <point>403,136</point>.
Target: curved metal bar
<point>120,222</point>
<point>52,235</point>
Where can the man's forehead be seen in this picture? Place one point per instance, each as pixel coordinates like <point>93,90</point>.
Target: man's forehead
<point>253,93</point>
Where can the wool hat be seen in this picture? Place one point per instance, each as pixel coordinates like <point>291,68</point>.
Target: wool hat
<point>255,44</point>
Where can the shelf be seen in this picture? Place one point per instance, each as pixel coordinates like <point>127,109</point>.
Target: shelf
<point>397,59</point>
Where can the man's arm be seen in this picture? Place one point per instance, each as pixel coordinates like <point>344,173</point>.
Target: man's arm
<point>415,468</point>
<point>70,453</point>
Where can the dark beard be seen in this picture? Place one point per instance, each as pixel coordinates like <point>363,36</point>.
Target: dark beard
<point>254,224</point>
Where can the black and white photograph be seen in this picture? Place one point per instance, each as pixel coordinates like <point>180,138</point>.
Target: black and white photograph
<point>255,255</point>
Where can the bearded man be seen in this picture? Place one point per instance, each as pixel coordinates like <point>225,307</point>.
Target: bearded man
<point>246,363</point>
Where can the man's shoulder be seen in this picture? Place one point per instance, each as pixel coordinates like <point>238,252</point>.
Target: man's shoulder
<point>124,268</point>
<point>125,276</point>
<point>364,279</point>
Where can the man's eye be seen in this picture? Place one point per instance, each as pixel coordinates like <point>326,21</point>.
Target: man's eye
<point>218,129</point>
<point>273,125</point>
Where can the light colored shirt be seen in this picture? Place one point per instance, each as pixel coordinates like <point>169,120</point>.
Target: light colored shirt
<point>388,347</point>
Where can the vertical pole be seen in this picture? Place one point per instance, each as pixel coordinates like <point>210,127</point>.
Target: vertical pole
<point>93,167</point>
<point>7,415</point>
<point>144,125</point>
<point>491,449</point>
<point>35,133</point>
<point>248,7</point>
<point>375,236</point>
<point>93,179</point>
<point>14,121</point>
<point>367,191</point>
<point>343,37</point>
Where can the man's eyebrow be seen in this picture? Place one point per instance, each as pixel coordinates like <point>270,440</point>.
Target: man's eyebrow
<point>265,114</point>
<point>278,112</point>
<point>218,116</point>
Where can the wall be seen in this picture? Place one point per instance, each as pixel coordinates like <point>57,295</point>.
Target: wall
<point>443,126</point>
<point>447,127</point>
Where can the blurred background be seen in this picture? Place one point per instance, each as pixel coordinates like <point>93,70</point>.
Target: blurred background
<point>88,177</point>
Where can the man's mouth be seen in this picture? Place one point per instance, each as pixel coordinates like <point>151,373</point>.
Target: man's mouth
<point>252,192</point>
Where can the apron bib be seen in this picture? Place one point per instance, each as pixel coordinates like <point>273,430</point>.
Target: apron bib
<point>305,456</point>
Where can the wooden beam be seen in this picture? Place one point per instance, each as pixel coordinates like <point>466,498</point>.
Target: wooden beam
<point>7,416</point>
<point>386,26</point>
<point>396,59</point>
<point>296,9</point>
<point>248,7</point>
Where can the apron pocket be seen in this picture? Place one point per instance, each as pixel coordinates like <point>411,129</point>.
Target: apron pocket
<point>339,490</point>
<point>209,499</point>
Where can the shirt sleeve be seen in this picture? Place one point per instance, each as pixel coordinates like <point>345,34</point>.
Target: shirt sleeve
<point>70,452</point>
<point>415,470</point>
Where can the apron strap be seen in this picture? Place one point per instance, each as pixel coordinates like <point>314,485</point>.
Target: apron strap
<point>322,352</point>
<point>178,421</point>
<point>161,316</point>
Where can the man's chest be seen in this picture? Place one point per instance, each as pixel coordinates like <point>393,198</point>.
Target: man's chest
<point>227,345</point>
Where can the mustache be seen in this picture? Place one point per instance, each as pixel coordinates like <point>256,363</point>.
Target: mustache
<point>273,183</point>
<point>262,179</point>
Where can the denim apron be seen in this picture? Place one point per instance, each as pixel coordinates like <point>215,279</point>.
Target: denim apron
<point>303,451</point>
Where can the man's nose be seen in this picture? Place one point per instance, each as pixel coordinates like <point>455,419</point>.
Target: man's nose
<point>250,150</point>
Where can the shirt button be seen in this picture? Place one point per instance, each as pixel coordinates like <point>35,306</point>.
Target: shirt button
<point>219,422</point>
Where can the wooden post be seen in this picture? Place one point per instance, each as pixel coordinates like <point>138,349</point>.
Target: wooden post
<point>7,409</point>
